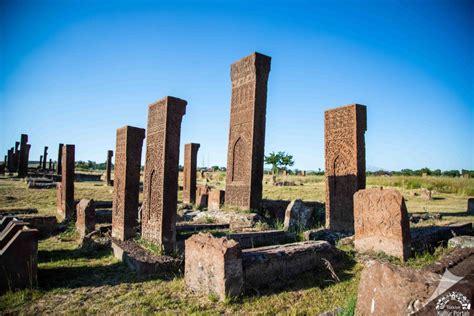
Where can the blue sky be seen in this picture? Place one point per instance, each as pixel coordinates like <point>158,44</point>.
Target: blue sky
<point>75,71</point>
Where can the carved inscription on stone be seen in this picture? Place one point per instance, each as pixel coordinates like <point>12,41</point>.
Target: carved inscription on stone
<point>381,222</point>
<point>161,172</point>
<point>189,172</point>
<point>247,131</point>
<point>128,152</point>
<point>345,163</point>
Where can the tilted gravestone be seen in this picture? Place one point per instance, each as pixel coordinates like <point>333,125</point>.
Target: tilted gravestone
<point>246,146</point>
<point>161,172</point>
<point>344,130</point>
<point>128,154</point>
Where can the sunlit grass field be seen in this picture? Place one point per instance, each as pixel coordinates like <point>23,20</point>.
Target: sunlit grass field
<point>82,282</point>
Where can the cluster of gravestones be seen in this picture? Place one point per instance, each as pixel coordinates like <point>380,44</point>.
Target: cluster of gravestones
<point>226,266</point>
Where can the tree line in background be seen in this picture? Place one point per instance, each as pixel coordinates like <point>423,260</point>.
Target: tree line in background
<point>281,161</point>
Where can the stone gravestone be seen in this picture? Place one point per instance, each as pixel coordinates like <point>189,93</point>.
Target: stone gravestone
<point>298,216</point>
<point>41,162</point>
<point>28,147</point>
<point>344,130</point>
<point>215,200</point>
<point>161,172</point>
<point>50,167</point>
<point>16,157</point>
<point>202,195</point>
<point>189,172</point>
<point>128,155</point>
<point>85,221</point>
<point>470,205</point>
<point>108,167</point>
<point>45,157</point>
<point>10,160</point>
<point>60,157</point>
<point>381,222</point>
<point>247,131</point>
<point>23,164</point>
<point>65,189</point>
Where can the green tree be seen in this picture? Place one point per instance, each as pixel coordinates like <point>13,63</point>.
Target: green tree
<point>279,161</point>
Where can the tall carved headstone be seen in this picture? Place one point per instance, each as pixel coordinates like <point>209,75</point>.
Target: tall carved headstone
<point>128,155</point>
<point>161,172</point>
<point>41,162</point>
<point>108,167</point>
<point>66,187</point>
<point>247,131</point>
<point>60,157</point>
<point>189,172</point>
<point>45,157</point>
<point>16,157</point>
<point>344,139</point>
<point>23,164</point>
<point>10,165</point>
<point>381,222</point>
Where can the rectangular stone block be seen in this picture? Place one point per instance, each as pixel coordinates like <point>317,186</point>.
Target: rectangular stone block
<point>344,140</point>
<point>246,146</point>
<point>45,157</point>
<point>189,172</point>
<point>65,196</point>
<point>202,196</point>
<point>128,155</point>
<point>216,198</point>
<point>470,205</point>
<point>381,222</point>
<point>161,172</point>
<point>262,238</point>
<point>85,217</point>
<point>108,168</point>
<point>213,266</point>
<point>23,157</point>
<point>60,158</point>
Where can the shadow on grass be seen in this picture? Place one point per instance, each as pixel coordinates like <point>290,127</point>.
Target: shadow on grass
<point>88,274</point>
<point>342,265</point>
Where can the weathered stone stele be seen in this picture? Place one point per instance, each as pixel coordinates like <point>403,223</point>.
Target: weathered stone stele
<point>41,162</point>
<point>23,161</point>
<point>65,195</point>
<point>16,156</point>
<point>85,217</point>
<point>298,216</point>
<point>108,167</point>
<point>128,154</point>
<point>381,222</point>
<point>215,199</point>
<point>189,172</point>
<point>213,266</point>
<point>344,130</point>
<point>60,157</point>
<point>45,157</point>
<point>161,172</point>
<point>247,131</point>
<point>10,160</point>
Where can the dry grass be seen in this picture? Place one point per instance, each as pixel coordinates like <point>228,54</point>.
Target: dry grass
<point>78,282</point>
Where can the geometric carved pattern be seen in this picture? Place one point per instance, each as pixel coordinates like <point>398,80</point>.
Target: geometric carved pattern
<point>247,131</point>
<point>128,155</point>
<point>381,222</point>
<point>344,140</point>
<point>189,172</point>
<point>161,172</point>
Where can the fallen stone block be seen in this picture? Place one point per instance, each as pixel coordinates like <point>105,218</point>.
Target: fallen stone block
<point>45,224</point>
<point>298,216</point>
<point>325,234</point>
<point>262,238</point>
<point>423,238</point>
<point>142,261</point>
<point>188,227</point>
<point>461,242</point>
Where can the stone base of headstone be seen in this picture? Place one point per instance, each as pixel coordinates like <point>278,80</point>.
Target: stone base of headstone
<point>141,261</point>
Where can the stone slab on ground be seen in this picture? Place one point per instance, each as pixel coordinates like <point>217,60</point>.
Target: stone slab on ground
<point>142,261</point>
<point>193,227</point>
<point>45,224</point>
<point>237,220</point>
<point>432,236</point>
<point>325,234</point>
<point>4,211</point>
<point>262,238</point>
<point>461,242</point>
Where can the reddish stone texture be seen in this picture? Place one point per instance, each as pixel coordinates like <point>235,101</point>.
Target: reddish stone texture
<point>213,266</point>
<point>202,195</point>
<point>65,196</point>
<point>128,155</point>
<point>60,158</point>
<point>344,130</point>
<point>108,167</point>
<point>189,173</point>
<point>381,222</point>
<point>85,217</point>
<point>45,157</point>
<point>161,172</point>
<point>18,259</point>
<point>247,131</point>
<point>215,199</point>
<point>23,161</point>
